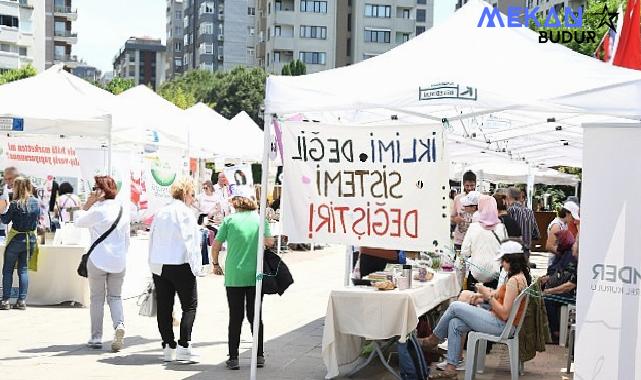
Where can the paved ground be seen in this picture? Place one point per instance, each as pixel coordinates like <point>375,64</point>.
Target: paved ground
<point>49,341</point>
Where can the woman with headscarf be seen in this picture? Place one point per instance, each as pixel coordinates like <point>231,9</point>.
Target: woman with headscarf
<point>482,241</point>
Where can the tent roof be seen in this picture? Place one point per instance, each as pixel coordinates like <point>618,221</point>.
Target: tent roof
<point>142,116</point>
<point>209,133</point>
<point>502,66</point>
<point>57,103</point>
<point>519,111</point>
<point>251,144</point>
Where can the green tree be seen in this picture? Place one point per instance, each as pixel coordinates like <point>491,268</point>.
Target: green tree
<point>195,84</point>
<point>17,74</point>
<point>294,68</point>
<point>179,96</point>
<point>118,85</point>
<point>241,89</point>
<point>591,20</point>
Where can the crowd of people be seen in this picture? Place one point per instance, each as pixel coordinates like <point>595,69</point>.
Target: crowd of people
<point>175,253</point>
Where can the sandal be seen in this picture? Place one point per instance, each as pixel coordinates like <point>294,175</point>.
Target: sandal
<point>443,375</point>
<point>430,343</point>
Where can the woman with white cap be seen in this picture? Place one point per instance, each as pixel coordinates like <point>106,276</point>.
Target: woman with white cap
<point>461,317</point>
<point>240,231</point>
<point>482,241</point>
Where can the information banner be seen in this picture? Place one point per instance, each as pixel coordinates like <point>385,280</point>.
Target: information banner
<point>239,175</point>
<point>608,342</point>
<point>378,186</point>
<point>42,157</point>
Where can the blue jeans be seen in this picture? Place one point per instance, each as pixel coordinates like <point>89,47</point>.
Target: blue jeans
<point>460,318</point>
<point>16,251</point>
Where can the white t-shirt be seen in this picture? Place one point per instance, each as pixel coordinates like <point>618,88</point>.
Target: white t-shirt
<point>206,203</point>
<point>64,202</point>
<point>481,246</point>
<point>562,224</point>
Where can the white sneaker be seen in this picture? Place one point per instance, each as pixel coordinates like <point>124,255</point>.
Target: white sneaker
<point>186,355</point>
<point>119,338</point>
<point>459,367</point>
<point>443,346</point>
<point>169,354</point>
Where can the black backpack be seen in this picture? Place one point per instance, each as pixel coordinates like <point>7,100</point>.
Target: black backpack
<point>411,359</point>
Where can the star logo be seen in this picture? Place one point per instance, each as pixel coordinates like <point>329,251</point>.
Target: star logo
<point>608,18</point>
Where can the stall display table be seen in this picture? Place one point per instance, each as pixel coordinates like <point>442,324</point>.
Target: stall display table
<point>357,313</point>
<point>56,280</point>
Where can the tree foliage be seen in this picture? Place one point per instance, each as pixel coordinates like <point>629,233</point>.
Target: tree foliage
<point>17,74</point>
<point>294,68</point>
<point>591,20</point>
<point>119,85</point>
<point>241,89</point>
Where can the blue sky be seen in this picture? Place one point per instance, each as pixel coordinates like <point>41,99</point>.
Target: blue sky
<point>104,26</point>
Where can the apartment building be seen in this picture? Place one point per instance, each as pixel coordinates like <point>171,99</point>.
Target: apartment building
<point>53,33</point>
<point>143,60</point>
<point>86,72</point>
<point>16,34</point>
<point>333,33</point>
<point>218,34</point>
<point>174,29</point>
<point>376,26</point>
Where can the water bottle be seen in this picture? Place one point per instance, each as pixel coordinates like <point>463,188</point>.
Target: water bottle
<point>407,272</point>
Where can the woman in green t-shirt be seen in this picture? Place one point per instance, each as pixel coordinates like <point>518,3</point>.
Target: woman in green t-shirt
<point>240,231</point>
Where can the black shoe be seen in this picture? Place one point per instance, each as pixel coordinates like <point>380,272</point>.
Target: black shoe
<point>233,364</point>
<point>260,363</point>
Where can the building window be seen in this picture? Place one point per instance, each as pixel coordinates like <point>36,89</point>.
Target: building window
<point>419,30</point>
<point>10,21</point>
<point>132,71</point>
<point>277,31</point>
<point>276,57</point>
<point>178,47</point>
<point>349,22</point>
<point>421,1</point>
<point>309,31</point>
<point>207,28</point>
<point>377,36</point>
<point>420,15</point>
<point>250,52</point>
<point>278,5</point>
<point>26,26</point>
<point>349,47</point>
<point>178,31</point>
<point>178,15</point>
<point>313,6</point>
<point>178,62</point>
<point>132,57</point>
<point>186,22</point>
<point>406,14</point>
<point>251,11</point>
<point>402,37</point>
<point>312,58</point>
<point>206,48</point>
<point>22,51</point>
<point>375,10</point>
<point>207,7</point>
<point>368,56</point>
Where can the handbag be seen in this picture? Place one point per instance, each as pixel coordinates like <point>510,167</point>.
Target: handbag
<point>147,302</point>
<point>82,267</point>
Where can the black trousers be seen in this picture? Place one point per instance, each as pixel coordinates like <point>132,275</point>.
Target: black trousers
<point>471,281</point>
<point>176,279</point>
<point>241,300</point>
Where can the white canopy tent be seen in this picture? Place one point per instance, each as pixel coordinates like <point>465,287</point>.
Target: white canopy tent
<point>140,116</point>
<point>209,133</point>
<point>250,137</point>
<point>55,102</point>
<point>473,80</point>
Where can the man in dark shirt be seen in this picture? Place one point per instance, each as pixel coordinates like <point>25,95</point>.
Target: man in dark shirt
<point>524,217</point>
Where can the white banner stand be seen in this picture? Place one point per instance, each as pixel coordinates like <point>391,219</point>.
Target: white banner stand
<point>608,344</point>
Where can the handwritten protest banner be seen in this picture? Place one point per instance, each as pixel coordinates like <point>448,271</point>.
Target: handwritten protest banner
<point>42,157</point>
<point>379,186</point>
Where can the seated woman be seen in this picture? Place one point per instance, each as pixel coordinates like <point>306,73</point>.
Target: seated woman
<point>560,282</point>
<point>461,317</point>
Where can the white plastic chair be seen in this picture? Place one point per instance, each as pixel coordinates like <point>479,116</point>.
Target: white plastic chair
<point>477,342</point>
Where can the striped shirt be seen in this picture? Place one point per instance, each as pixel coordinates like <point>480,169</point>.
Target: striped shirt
<point>525,218</point>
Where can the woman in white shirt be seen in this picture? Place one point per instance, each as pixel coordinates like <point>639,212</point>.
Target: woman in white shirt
<point>175,261</point>
<point>482,241</point>
<point>66,200</point>
<point>206,201</point>
<point>106,264</point>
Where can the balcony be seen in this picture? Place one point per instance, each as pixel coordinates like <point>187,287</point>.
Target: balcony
<point>220,57</point>
<point>25,4</point>
<point>221,17</point>
<point>221,37</point>
<point>9,34</point>
<point>66,12</point>
<point>67,60</point>
<point>65,36</point>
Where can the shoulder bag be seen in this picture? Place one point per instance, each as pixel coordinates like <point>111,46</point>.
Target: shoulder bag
<point>82,267</point>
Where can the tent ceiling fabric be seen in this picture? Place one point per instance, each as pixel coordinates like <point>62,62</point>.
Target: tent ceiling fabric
<point>519,111</point>
<point>55,102</point>
<point>208,132</point>
<point>514,172</point>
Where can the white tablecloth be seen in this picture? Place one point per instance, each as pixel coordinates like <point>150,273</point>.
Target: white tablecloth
<point>56,280</point>
<point>354,313</point>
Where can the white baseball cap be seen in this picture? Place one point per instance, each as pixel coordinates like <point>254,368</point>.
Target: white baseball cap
<point>242,191</point>
<point>507,248</point>
<point>573,208</point>
<point>471,199</point>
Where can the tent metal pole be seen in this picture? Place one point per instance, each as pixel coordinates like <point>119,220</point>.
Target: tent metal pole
<point>261,241</point>
<point>530,186</point>
<point>349,263</point>
<point>110,142</point>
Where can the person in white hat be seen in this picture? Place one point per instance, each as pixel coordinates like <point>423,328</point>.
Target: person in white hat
<point>240,231</point>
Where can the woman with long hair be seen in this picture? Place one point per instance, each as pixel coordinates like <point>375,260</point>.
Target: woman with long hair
<point>240,231</point>
<point>107,262</point>
<point>21,243</point>
<point>175,261</point>
<point>461,317</point>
